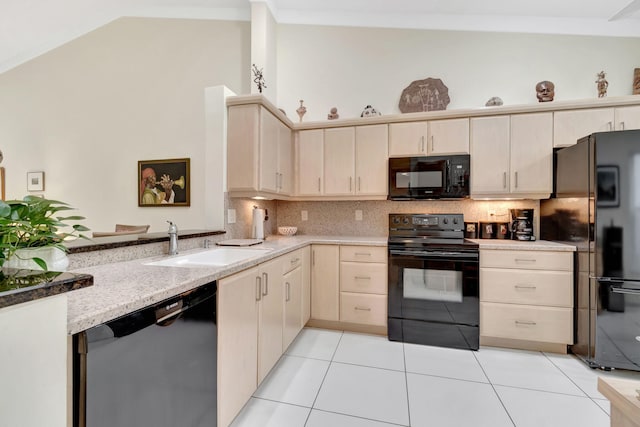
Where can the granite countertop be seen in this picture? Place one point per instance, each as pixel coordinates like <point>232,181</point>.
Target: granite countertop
<point>534,245</point>
<point>18,286</point>
<point>124,287</point>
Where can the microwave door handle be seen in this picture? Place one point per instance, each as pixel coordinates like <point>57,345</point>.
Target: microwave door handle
<point>448,174</point>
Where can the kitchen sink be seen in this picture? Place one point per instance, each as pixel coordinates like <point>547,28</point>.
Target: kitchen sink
<point>218,257</point>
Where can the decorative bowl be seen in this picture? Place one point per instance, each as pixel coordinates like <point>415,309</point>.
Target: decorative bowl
<point>287,231</point>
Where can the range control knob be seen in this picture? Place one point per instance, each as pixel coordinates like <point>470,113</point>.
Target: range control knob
<point>396,220</point>
<point>455,220</point>
<point>405,220</point>
<point>445,221</point>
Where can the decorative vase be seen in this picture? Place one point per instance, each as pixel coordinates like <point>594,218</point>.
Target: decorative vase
<point>56,259</point>
<point>301,110</point>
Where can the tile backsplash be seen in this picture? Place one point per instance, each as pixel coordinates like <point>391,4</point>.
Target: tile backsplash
<point>338,218</point>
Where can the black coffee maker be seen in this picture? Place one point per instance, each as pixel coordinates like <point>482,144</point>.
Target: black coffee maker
<point>522,224</point>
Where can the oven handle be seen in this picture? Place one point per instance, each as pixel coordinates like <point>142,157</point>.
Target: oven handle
<point>429,254</point>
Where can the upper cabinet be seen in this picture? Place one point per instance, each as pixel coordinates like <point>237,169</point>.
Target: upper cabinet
<point>259,152</point>
<point>348,161</point>
<point>511,156</point>
<point>571,125</point>
<point>431,138</point>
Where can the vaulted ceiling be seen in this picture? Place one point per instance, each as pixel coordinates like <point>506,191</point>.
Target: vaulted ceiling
<point>31,27</point>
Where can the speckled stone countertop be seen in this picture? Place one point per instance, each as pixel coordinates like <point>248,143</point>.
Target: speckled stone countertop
<point>18,286</point>
<point>123,287</point>
<point>536,245</point>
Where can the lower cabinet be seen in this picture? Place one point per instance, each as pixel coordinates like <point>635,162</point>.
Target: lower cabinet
<point>526,296</point>
<point>293,289</point>
<point>325,282</point>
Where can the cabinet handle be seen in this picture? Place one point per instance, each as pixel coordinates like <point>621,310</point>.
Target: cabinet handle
<point>359,184</point>
<point>621,125</point>
<point>525,322</point>
<point>524,287</point>
<point>432,149</point>
<point>524,260</point>
<point>258,288</point>
<point>363,253</point>
<point>281,180</point>
<point>362,278</point>
<point>295,260</point>
<point>610,125</point>
<point>516,179</point>
<point>287,291</point>
<point>313,258</point>
<point>277,181</point>
<point>318,185</point>
<point>350,183</point>
<point>421,143</point>
<point>504,180</point>
<point>362,308</point>
<point>265,291</point>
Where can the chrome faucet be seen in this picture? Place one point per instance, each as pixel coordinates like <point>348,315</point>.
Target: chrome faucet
<point>173,238</point>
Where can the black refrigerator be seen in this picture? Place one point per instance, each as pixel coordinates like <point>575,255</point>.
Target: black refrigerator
<point>596,207</point>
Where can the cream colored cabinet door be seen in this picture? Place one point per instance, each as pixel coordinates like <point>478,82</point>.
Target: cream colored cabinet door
<point>325,282</point>
<point>269,145</point>
<point>292,317</point>
<point>408,139</point>
<point>627,118</point>
<point>270,316</point>
<point>310,162</point>
<point>571,125</point>
<point>490,145</point>
<point>532,154</point>
<point>306,285</point>
<point>243,138</point>
<point>238,302</point>
<point>372,144</point>
<point>339,161</point>
<point>285,159</point>
<point>448,137</point>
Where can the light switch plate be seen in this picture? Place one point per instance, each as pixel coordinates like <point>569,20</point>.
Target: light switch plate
<point>231,216</point>
<point>305,215</point>
<point>358,215</point>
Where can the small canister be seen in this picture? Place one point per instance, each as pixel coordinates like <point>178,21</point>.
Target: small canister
<point>487,230</point>
<point>471,230</point>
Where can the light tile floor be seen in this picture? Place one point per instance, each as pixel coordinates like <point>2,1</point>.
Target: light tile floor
<point>343,379</point>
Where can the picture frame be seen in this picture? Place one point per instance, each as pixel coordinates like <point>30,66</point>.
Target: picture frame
<point>163,183</point>
<point>607,187</point>
<point>35,181</point>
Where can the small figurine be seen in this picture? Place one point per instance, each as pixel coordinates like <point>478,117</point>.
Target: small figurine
<point>603,84</point>
<point>494,102</point>
<point>333,114</point>
<point>545,91</point>
<point>259,78</point>
<point>369,111</point>
<point>301,110</point>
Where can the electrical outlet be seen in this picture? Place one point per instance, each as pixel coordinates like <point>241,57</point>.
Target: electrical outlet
<point>305,215</point>
<point>358,215</point>
<point>231,216</point>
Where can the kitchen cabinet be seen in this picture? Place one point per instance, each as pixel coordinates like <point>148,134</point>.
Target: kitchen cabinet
<point>571,125</point>
<point>325,282</point>
<point>259,152</point>
<point>363,285</point>
<point>512,155</point>
<point>292,281</point>
<point>270,311</point>
<point>353,162</point>
<point>306,284</point>
<point>433,138</point>
<point>526,296</point>
<point>310,162</point>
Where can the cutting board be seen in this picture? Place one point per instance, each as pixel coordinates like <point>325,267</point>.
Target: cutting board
<point>240,242</point>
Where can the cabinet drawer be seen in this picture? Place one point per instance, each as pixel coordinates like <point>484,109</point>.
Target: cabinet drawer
<point>531,260</point>
<point>363,253</point>
<point>525,322</point>
<point>533,287</point>
<point>291,261</point>
<point>363,308</point>
<point>370,278</point>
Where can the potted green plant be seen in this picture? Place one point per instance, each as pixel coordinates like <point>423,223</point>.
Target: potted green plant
<point>30,235</point>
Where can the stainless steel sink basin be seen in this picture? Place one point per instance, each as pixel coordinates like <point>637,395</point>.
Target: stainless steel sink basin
<point>218,257</point>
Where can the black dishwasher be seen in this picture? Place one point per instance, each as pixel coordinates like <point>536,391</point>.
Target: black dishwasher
<point>155,367</point>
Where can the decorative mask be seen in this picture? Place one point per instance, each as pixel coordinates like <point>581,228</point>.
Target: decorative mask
<point>545,91</point>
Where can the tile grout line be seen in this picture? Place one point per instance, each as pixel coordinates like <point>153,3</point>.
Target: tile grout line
<point>406,381</point>
<point>324,378</point>
<point>494,389</point>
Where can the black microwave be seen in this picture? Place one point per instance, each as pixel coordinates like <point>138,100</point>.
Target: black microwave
<point>432,177</point>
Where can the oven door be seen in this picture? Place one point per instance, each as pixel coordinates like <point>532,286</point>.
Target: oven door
<point>417,178</point>
<point>434,297</point>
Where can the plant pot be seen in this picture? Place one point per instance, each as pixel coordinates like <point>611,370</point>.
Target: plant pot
<point>55,258</point>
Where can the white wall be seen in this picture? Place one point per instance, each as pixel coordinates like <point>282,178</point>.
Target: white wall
<point>85,113</point>
<point>351,67</point>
